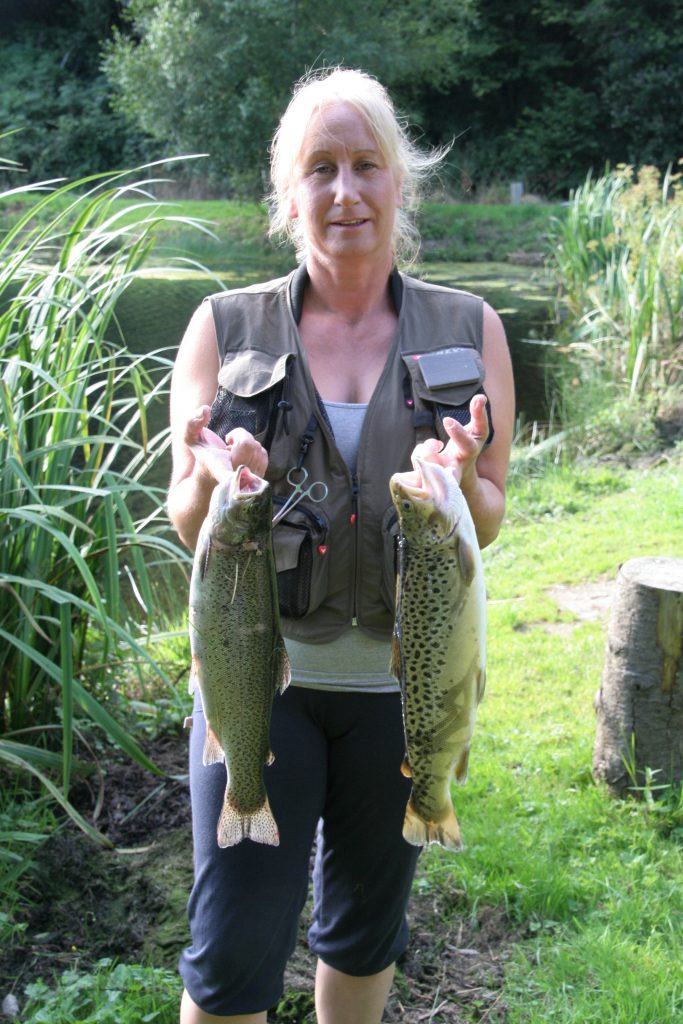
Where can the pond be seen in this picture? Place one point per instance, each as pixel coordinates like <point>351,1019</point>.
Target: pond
<point>154,313</point>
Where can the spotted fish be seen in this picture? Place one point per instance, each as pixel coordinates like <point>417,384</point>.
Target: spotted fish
<point>239,660</point>
<point>439,644</point>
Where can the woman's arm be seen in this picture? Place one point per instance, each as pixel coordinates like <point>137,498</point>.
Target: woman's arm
<point>200,458</point>
<point>482,471</point>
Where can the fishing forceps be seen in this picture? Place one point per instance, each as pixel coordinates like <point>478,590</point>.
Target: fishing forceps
<point>316,491</point>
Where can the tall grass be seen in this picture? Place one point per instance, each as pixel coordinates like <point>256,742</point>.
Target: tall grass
<point>618,259</point>
<point>85,555</point>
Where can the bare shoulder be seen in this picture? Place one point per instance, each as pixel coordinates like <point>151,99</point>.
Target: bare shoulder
<point>196,364</point>
<point>496,354</point>
<point>494,332</point>
<point>199,340</point>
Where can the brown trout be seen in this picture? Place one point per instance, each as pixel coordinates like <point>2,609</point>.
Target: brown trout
<point>439,644</point>
<point>239,660</point>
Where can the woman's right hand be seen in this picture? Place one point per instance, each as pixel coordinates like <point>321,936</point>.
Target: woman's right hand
<point>216,458</point>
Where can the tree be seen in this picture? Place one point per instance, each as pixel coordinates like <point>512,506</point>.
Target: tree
<point>54,94</point>
<point>543,92</point>
<point>215,75</point>
<point>636,51</point>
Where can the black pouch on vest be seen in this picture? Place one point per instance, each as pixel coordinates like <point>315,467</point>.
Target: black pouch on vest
<point>301,559</point>
<point>447,379</point>
<point>250,386</point>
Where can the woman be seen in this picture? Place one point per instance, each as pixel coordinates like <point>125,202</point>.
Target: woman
<point>319,371</point>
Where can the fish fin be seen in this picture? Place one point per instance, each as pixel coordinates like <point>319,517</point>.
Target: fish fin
<point>481,684</point>
<point>461,767</point>
<point>213,751</point>
<point>233,826</point>
<point>205,554</point>
<point>282,668</point>
<point>194,675</point>
<point>396,663</point>
<point>467,560</point>
<point>406,769</point>
<point>420,832</point>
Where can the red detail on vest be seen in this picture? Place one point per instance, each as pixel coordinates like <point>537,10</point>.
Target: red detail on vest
<point>322,549</point>
<point>352,519</point>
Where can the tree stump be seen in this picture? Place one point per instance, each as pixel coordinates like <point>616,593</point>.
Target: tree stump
<point>640,701</point>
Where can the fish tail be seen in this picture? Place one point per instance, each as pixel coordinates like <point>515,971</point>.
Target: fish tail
<point>258,825</point>
<point>420,832</point>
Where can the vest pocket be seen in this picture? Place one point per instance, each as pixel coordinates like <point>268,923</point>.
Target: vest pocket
<point>449,383</point>
<point>301,559</point>
<point>390,529</point>
<point>250,386</point>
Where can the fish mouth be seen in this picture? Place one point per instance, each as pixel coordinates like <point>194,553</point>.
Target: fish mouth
<point>244,483</point>
<point>410,485</point>
<point>428,481</point>
<point>434,477</point>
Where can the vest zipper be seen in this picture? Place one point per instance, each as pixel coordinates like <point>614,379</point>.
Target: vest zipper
<point>353,519</point>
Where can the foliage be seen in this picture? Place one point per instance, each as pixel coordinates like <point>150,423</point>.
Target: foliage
<point>618,261</point>
<point>56,98</point>
<point>234,63</point>
<point>84,552</point>
<point>541,93</point>
<point>24,825</point>
<point>111,994</point>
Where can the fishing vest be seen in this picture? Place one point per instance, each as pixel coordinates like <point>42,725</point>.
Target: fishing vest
<point>336,558</point>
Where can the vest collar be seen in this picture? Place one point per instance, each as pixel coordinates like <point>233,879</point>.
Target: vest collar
<point>299,280</point>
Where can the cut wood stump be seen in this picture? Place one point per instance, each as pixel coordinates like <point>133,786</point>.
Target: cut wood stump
<point>640,702</point>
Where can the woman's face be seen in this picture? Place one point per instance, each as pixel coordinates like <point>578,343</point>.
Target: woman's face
<point>345,195</point>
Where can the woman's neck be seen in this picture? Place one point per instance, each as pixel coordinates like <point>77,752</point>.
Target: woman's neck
<point>349,292</point>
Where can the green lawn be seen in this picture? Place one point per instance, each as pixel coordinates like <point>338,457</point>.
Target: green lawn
<point>598,884</point>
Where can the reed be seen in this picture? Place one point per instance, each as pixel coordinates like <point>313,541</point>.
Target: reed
<point>618,262</point>
<point>86,558</point>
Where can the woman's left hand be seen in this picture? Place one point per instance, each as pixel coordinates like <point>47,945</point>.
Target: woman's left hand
<point>464,444</point>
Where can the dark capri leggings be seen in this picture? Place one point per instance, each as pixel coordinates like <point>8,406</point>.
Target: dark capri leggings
<point>337,761</point>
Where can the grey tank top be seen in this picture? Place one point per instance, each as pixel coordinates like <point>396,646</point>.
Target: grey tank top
<point>354,661</point>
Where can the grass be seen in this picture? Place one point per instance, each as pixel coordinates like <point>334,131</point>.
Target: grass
<point>24,825</point>
<point>236,235</point>
<point>470,232</point>
<point>85,542</point>
<point>595,883</point>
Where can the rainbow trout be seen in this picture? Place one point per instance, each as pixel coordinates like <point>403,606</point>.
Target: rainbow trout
<point>239,660</point>
<point>438,653</point>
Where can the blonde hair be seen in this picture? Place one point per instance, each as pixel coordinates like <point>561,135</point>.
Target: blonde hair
<point>410,165</point>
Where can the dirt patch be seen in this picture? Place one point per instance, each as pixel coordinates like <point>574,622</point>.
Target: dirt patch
<point>589,602</point>
<point>84,902</point>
